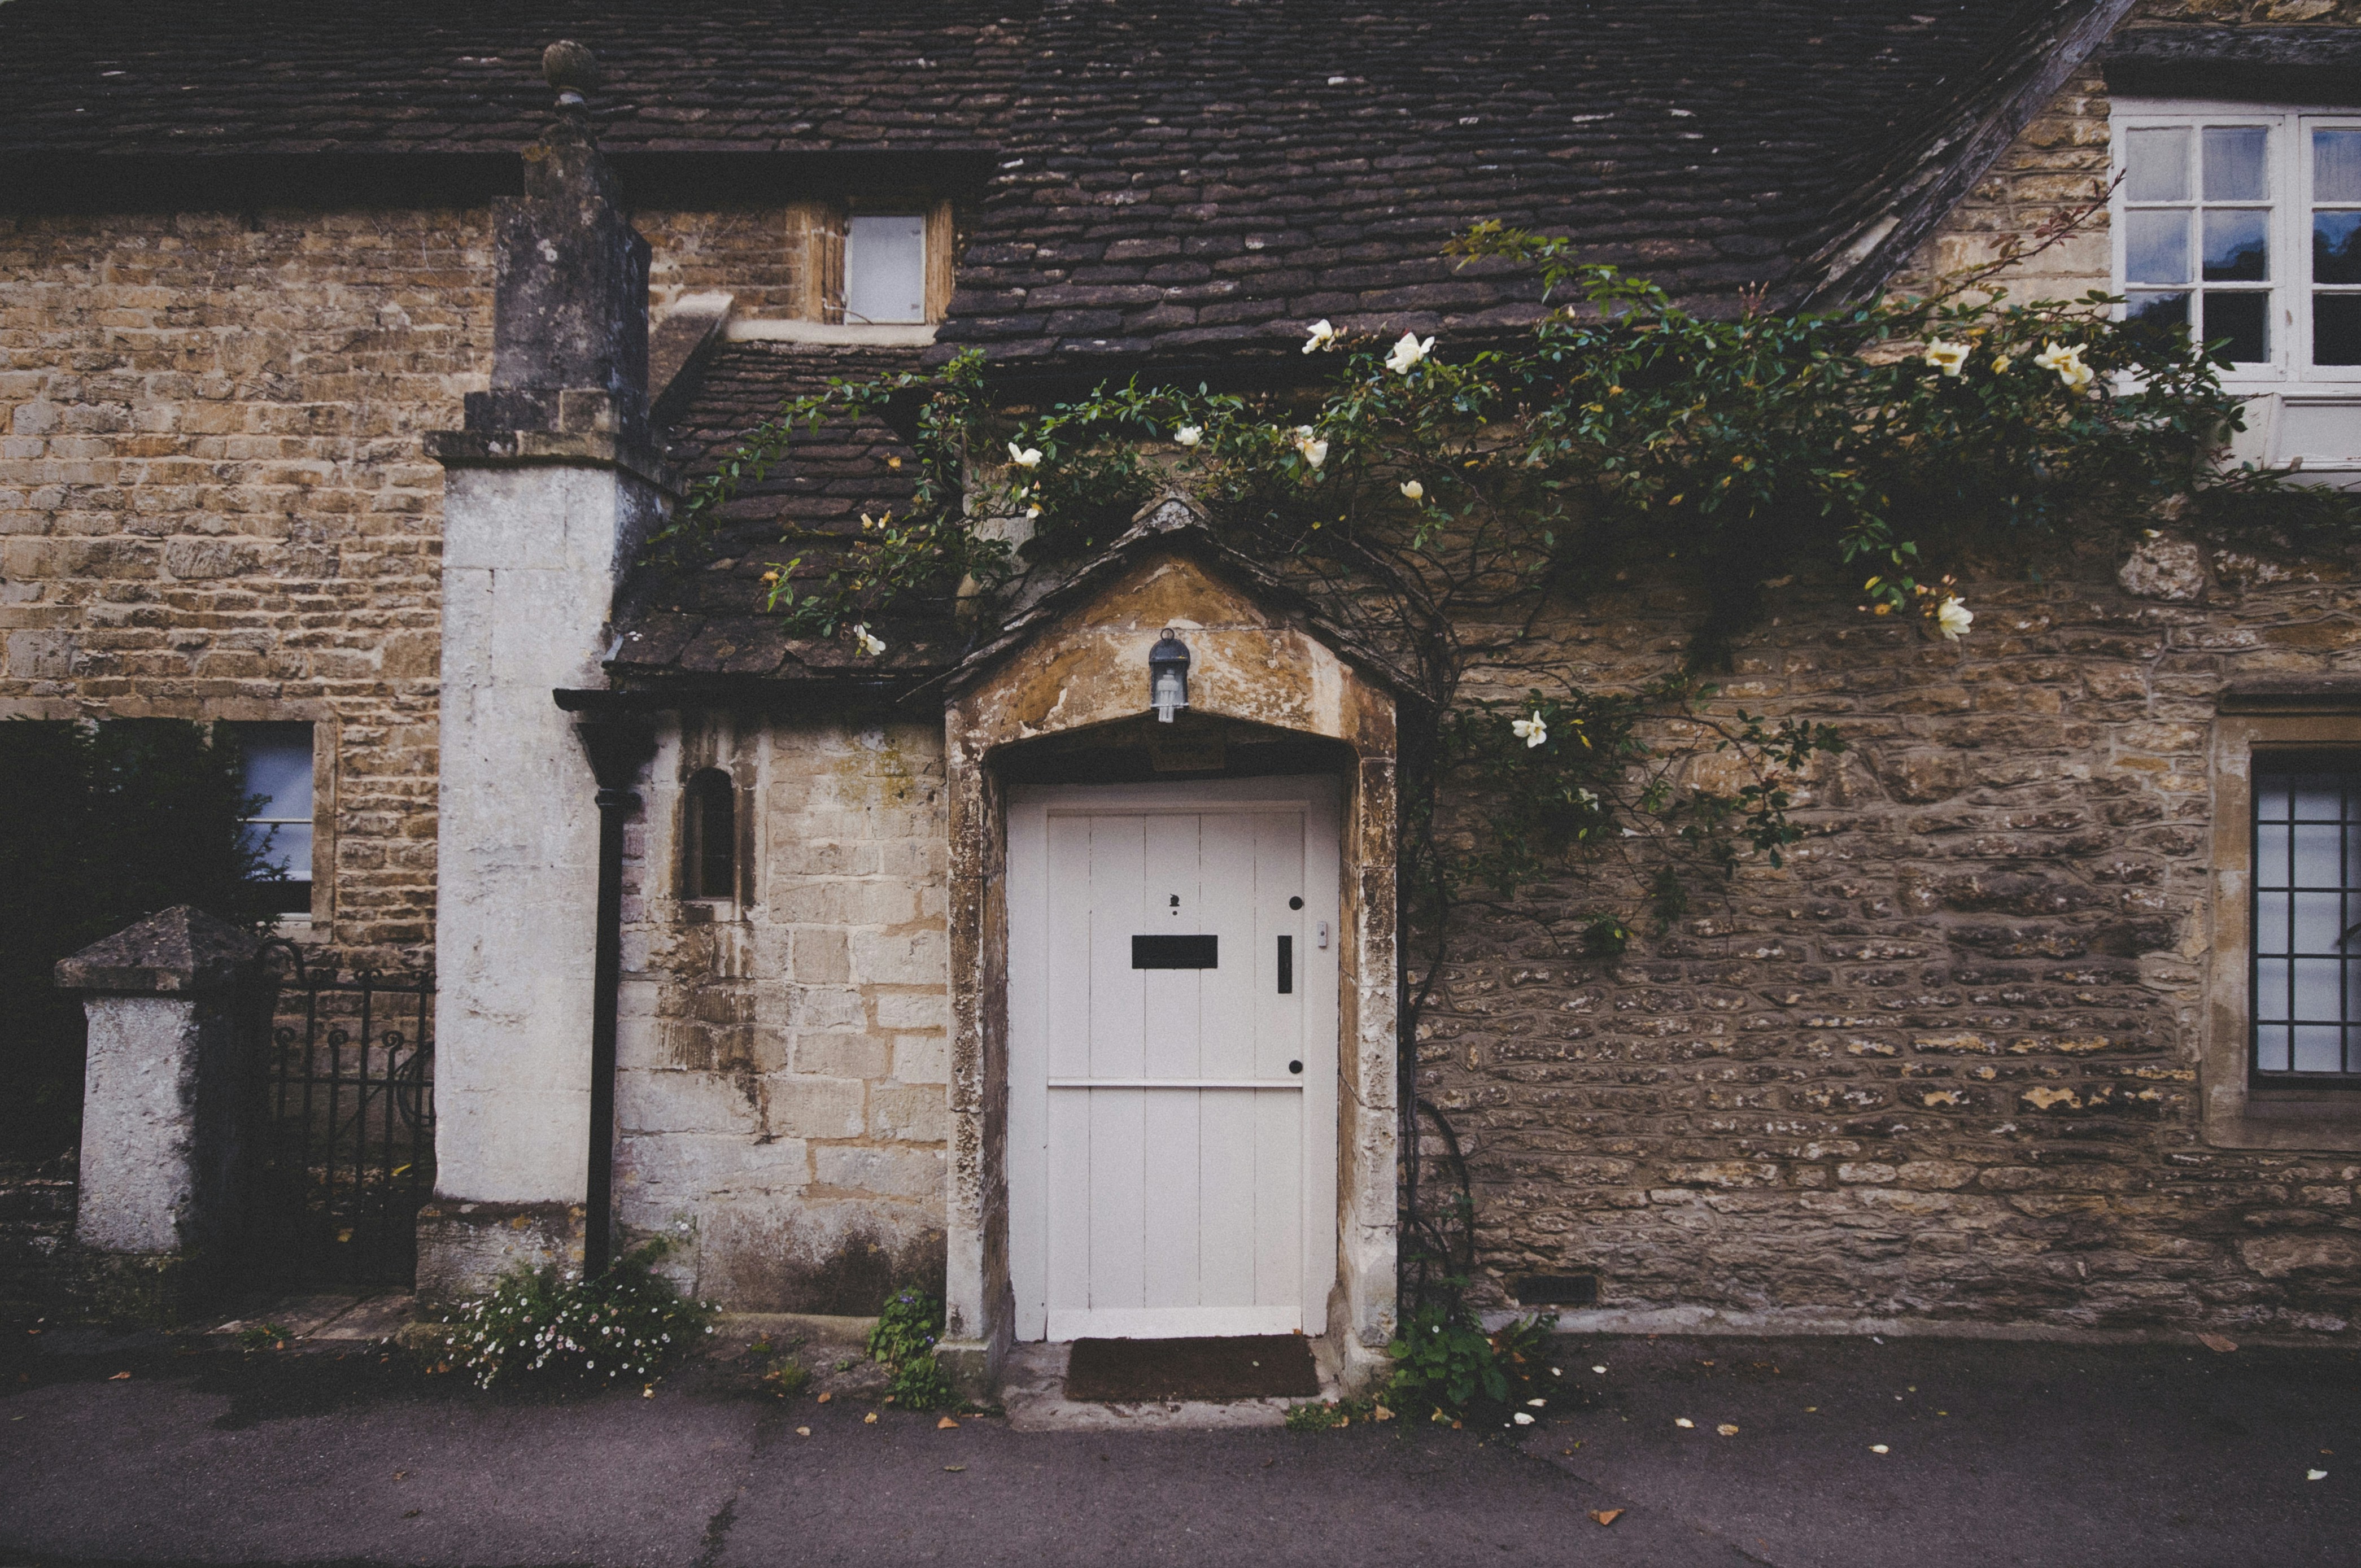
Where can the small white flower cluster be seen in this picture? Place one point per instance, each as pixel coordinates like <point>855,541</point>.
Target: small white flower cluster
<point>1951,358</point>
<point>621,1326</point>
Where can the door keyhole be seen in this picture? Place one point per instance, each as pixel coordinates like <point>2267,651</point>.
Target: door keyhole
<point>1176,904</point>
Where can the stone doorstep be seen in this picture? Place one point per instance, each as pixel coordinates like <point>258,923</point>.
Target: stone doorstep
<point>329,1321</point>
<point>1033,1392</point>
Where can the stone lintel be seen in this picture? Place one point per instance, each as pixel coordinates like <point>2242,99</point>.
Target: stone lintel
<point>574,448</point>
<point>2291,697</point>
<point>175,951</point>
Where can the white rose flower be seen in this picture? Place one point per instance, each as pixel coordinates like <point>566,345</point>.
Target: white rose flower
<point>1533,732</point>
<point>1408,352</point>
<point>1323,336</point>
<point>1315,450</point>
<point>1024,456</point>
<point>1187,435</point>
<point>1947,357</point>
<point>868,644</point>
<point>2067,363</point>
<point>1953,619</point>
<point>1413,489</point>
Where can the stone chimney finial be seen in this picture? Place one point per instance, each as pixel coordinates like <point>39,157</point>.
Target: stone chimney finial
<point>571,69</point>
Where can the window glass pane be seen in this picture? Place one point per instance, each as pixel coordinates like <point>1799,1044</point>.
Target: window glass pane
<point>2156,248</point>
<point>2318,797</point>
<point>2319,990</point>
<point>2335,166</point>
<point>717,842</point>
<point>2234,168</point>
<point>2237,246</point>
<point>2241,322</point>
<point>2337,248</point>
<point>2319,857</point>
<point>2271,797</point>
<point>2318,921</point>
<point>2271,989</point>
<point>287,848</point>
<point>2271,918</point>
<point>2270,857</point>
<point>885,269</point>
<point>2272,1049</point>
<point>2161,311</point>
<point>279,769</point>
<point>2336,329</point>
<point>2155,165</point>
<point>2319,1049</point>
<point>277,762</point>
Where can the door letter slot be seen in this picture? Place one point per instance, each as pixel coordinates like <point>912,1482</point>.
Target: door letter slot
<point>1176,952</point>
<point>1287,966</point>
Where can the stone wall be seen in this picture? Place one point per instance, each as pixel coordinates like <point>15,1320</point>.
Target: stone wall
<point>1943,1068</point>
<point>782,1108</point>
<point>213,501</point>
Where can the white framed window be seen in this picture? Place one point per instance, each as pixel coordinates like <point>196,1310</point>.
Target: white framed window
<point>2241,222</point>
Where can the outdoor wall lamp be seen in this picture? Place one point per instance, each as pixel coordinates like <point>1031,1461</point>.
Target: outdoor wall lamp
<point>1168,675</point>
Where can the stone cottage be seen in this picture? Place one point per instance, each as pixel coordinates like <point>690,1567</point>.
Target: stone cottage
<point>344,378</point>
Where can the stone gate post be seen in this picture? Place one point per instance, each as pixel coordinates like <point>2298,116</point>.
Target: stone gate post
<point>162,1129</point>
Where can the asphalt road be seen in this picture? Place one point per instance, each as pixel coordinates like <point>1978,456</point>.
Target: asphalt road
<point>1996,1453</point>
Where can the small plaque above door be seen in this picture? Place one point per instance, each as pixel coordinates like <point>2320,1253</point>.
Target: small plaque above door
<point>1175,952</point>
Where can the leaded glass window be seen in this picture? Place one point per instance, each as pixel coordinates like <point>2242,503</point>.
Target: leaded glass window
<point>2307,979</point>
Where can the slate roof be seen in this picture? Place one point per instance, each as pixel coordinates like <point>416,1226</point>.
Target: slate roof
<point>704,616</point>
<point>1180,179</point>
<point>1182,183</point>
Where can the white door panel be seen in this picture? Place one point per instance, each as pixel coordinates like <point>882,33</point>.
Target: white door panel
<point>1172,1130</point>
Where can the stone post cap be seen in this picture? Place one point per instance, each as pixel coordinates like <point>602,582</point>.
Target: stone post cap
<point>174,950</point>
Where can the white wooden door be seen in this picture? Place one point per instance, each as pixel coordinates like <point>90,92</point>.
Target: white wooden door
<point>1173,1057</point>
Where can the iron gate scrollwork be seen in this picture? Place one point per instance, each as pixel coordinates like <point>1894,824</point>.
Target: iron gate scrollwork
<point>343,1123</point>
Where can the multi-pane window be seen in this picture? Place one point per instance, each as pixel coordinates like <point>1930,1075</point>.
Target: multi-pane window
<point>2245,226</point>
<point>2307,958</point>
<point>278,760</point>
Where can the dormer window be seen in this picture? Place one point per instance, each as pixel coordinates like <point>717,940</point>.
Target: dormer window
<point>2241,224</point>
<point>879,261</point>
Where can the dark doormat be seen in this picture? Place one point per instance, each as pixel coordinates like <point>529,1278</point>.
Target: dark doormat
<point>1252,1366</point>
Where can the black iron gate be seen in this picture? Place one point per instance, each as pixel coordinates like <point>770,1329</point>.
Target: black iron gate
<point>344,1152</point>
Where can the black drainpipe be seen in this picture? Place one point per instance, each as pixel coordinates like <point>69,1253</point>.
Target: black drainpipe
<point>619,748</point>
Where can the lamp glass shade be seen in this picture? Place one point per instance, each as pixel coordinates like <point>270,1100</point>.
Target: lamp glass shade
<point>1167,676</point>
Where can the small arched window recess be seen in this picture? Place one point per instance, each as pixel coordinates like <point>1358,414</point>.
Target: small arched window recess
<point>708,863</point>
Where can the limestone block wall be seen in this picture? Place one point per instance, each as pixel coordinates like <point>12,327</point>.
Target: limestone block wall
<point>1945,1067</point>
<point>782,1109</point>
<point>214,499</point>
